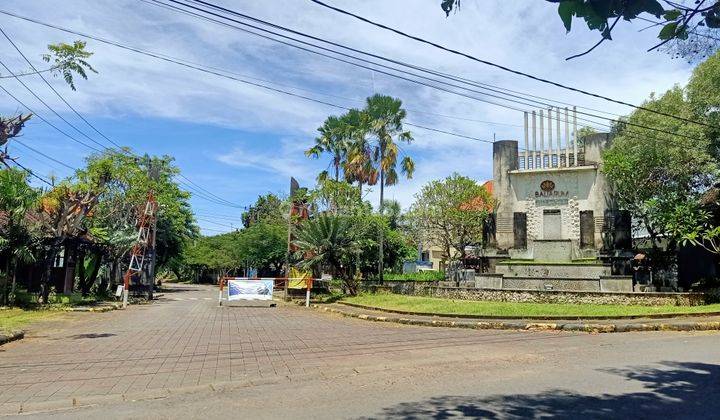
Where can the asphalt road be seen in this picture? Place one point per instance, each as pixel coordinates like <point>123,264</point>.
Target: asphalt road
<point>333,367</point>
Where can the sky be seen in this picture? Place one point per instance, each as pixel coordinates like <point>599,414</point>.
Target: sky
<point>239,141</point>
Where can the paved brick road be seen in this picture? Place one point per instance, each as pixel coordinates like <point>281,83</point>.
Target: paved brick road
<point>185,339</point>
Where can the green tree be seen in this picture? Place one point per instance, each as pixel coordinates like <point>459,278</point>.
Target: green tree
<point>692,28</point>
<point>703,97</point>
<point>17,243</point>
<point>393,212</point>
<point>327,242</point>
<point>268,208</point>
<point>122,196</point>
<point>264,246</point>
<point>337,196</point>
<point>69,60</point>
<point>654,175</point>
<point>386,117</point>
<point>451,213</point>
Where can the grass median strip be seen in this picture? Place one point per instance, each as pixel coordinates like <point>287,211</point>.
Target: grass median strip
<point>16,319</point>
<point>512,309</point>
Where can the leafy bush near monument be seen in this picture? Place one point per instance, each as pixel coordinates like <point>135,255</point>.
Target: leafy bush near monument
<point>516,309</point>
<point>429,275</point>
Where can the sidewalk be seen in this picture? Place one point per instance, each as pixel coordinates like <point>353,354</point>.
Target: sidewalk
<point>680,323</point>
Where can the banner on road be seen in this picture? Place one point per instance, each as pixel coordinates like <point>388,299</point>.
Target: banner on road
<point>250,289</point>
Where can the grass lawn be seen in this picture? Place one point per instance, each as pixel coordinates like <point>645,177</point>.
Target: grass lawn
<point>16,319</point>
<point>510,309</point>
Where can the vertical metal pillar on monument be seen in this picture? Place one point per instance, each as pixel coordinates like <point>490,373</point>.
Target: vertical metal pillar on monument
<point>145,241</point>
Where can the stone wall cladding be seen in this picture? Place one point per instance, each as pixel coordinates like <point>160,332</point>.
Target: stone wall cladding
<point>558,271</point>
<point>544,284</point>
<point>573,218</point>
<point>534,221</point>
<point>534,296</point>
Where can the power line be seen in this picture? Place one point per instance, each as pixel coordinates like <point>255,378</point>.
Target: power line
<point>455,78</point>
<point>48,122</point>
<point>44,155</point>
<point>381,65</point>
<point>55,91</point>
<point>50,108</point>
<point>412,66</point>
<point>79,115</point>
<point>30,157</point>
<point>44,180</point>
<point>499,66</point>
<point>216,223</point>
<point>220,217</point>
<point>30,73</point>
<point>230,203</point>
<point>197,68</point>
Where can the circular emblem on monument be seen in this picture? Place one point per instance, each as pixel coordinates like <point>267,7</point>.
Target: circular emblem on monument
<point>547,185</point>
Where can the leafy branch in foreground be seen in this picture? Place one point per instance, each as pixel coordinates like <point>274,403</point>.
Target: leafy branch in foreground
<point>69,59</point>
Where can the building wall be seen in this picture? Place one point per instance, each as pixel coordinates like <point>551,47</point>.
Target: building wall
<point>576,189</point>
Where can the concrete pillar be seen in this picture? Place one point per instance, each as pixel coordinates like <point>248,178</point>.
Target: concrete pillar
<point>567,137</point>
<point>575,139</point>
<point>505,159</point>
<point>542,139</point>
<point>559,138</point>
<point>550,138</point>
<point>534,137</point>
<point>527,146</point>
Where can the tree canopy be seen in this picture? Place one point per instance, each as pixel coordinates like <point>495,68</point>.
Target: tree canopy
<point>451,213</point>
<point>661,177</point>
<point>688,31</point>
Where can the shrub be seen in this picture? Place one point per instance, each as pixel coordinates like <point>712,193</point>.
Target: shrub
<point>429,275</point>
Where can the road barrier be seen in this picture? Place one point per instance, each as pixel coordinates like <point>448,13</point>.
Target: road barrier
<point>261,288</point>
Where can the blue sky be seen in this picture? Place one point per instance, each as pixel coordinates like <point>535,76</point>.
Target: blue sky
<point>240,141</point>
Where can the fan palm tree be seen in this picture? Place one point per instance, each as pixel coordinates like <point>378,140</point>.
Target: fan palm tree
<point>386,117</point>
<point>358,166</point>
<point>326,242</point>
<point>331,140</point>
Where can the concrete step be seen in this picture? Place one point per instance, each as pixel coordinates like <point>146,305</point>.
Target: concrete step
<point>558,270</point>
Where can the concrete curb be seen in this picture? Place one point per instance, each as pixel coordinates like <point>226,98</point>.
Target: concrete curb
<point>12,336</point>
<point>543,318</point>
<point>99,308</point>
<point>531,326</point>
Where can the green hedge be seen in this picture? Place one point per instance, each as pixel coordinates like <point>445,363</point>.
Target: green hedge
<point>428,275</point>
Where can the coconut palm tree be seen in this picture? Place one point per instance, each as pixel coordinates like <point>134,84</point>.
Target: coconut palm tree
<point>386,117</point>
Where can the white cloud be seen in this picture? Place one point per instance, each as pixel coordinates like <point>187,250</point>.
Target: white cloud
<point>523,35</point>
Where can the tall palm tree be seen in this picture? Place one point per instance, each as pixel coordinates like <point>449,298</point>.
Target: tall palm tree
<point>331,140</point>
<point>386,117</point>
<point>358,166</point>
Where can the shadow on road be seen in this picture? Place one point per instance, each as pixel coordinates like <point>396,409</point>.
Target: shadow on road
<point>675,390</point>
<point>92,335</point>
<point>174,288</point>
